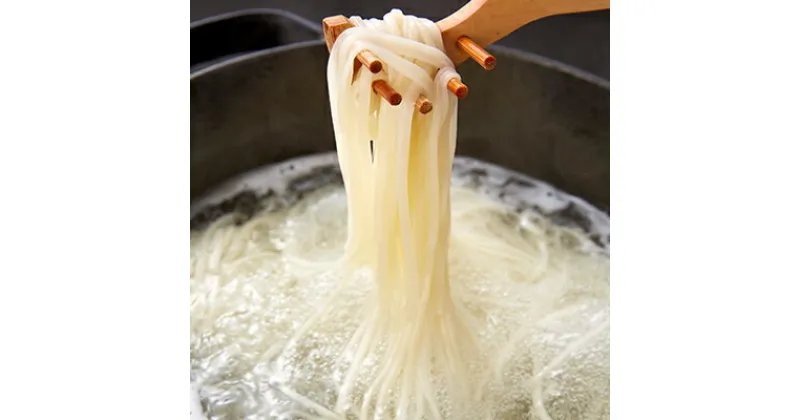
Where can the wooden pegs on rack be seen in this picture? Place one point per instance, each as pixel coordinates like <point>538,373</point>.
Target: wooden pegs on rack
<point>332,27</point>
<point>457,88</point>
<point>382,88</point>
<point>370,61</point>
<point>477,53</point>
<point>424,105</point>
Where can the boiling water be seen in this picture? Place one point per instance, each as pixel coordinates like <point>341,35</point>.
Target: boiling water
<point>264,249</point>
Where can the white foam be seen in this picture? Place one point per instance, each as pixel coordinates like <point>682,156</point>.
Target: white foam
<point>253,285</point>
<point>512,188</point>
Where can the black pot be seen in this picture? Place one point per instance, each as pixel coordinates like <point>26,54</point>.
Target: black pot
<point>259,96</point>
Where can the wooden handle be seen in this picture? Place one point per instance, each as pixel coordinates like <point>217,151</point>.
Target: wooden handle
<point>486,21</point>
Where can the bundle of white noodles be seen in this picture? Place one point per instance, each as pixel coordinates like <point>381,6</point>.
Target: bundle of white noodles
<point>399,211</point>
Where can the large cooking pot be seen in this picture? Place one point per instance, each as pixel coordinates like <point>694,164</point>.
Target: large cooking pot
<point>259,96</point>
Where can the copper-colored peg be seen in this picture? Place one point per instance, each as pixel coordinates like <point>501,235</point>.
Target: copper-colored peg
<point>457,88</point>
<point>381,87</point>
<point>477,53</point>
<point>332,27</point>
<point>368,59</point>
<point>424,105</point>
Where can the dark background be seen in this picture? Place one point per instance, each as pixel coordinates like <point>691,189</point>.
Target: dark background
<point>580,40</point>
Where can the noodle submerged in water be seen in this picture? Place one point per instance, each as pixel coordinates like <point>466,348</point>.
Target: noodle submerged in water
<point>398,296</point>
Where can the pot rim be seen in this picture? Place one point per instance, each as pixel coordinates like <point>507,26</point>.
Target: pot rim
<point>495,49</point>
<point>257,11</point>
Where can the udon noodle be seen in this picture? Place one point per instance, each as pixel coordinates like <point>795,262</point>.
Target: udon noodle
<point>398,296</point>
<point>399,211</point>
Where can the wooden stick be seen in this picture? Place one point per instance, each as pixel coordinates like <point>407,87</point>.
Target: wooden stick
<point>477,53</point>
<point>332,27</point>
<point>424,105</point>
<point>368,59</point>
<point>457,88</point>
<point>382,88</point>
